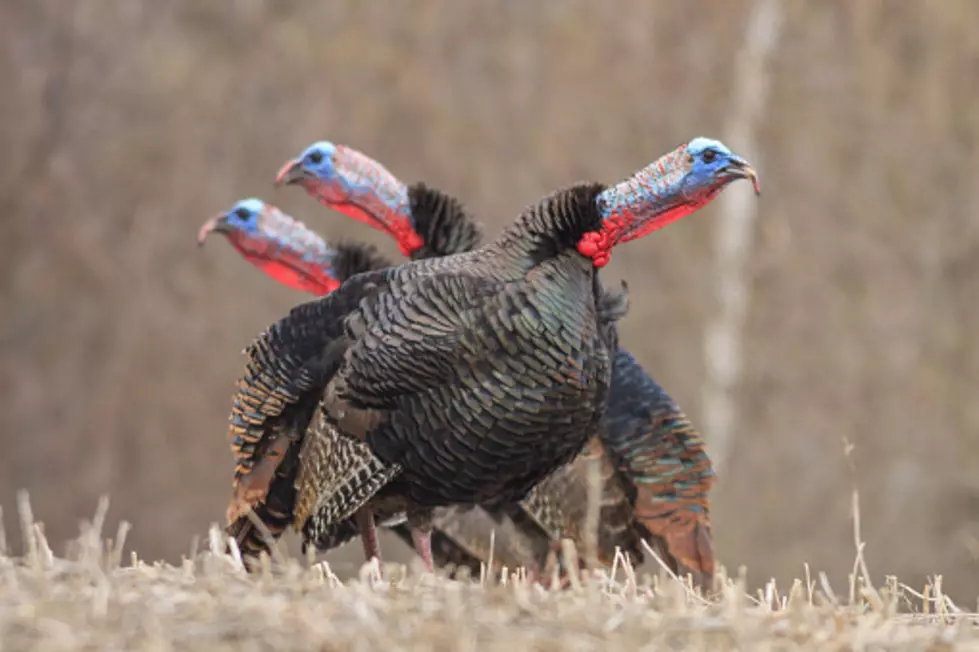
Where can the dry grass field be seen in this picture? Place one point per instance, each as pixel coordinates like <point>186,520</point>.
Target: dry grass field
<point>99,596</point>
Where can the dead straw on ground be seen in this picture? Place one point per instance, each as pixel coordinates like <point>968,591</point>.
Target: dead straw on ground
<point>95,597</point>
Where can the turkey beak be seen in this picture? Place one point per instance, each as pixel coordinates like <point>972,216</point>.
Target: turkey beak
<point>291,172</point>
<point>217,223</point>
<point>739,168</point>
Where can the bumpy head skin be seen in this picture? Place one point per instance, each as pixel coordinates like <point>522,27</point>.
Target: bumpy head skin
<point>674,186</point>
<point>357,186</point>
<point>279,245</point>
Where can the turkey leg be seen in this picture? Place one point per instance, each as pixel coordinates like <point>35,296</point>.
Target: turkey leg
<point>420,522</point>
<point>422,540</point>
<point>368,536</point>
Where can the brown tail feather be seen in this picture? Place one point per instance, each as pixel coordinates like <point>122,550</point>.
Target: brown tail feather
<point>252,487</point>
<point>275,513</point>
<point>694,552</point>
<point>686,534</point>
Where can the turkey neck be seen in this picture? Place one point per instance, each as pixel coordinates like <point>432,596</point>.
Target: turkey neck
<point>441,222</point>
<point>351,259</point>
<point>552,227</point>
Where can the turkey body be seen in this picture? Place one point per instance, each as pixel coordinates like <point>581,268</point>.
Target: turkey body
<point>655,472</point>
<point>474,375</point>
<point>465,379</point>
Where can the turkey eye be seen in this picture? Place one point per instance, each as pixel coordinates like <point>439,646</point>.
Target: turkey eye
<point>242,213</point>
<point>709,156</point>
<point>316,157</point>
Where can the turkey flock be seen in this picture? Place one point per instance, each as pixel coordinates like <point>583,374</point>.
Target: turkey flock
<point>474,399</point>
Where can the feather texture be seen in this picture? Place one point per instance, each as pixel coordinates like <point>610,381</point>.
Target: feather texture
<point>273,405</point>
<point>468,377</point>
<point>337,476</point>
<point>644,493</point>
<point>487,373</point>
<point>655,472</point>
<point>654,444</point>
<point>441,223</point>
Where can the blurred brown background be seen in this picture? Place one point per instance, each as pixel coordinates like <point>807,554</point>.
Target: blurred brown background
<point>125,124</point>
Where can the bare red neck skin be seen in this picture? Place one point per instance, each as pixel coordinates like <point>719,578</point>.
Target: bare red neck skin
<point>624,226</point>
<point>296,273</point>
<point>395,225</point>
<point>374,213</point>
<point>281,272</point>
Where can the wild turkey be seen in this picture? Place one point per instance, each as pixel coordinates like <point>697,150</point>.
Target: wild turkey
<point>289,252</point>
<point>297,257</point>
<point>424,223</point>
<point>441,357</point>
<point>663,469</point>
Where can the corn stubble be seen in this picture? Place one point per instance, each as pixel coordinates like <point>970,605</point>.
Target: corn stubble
<point>96,597</point>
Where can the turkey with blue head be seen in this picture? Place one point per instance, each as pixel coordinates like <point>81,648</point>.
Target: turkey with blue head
<point>292,254</point>
<point>265,470</point>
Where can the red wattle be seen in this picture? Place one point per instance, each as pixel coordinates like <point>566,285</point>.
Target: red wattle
<point>597,245</point>
<point>589,245</point>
